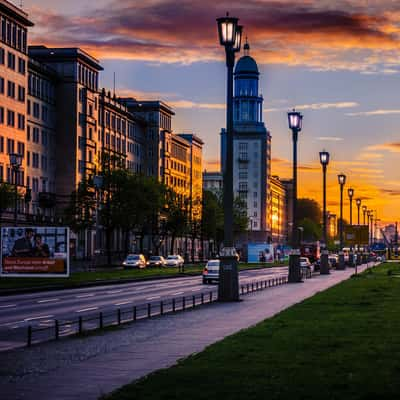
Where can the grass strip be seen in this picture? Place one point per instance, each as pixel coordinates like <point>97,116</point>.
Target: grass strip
<point>343,343</point>
<point>78,278</point>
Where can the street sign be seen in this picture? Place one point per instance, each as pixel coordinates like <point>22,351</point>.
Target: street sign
<point>356,235</point>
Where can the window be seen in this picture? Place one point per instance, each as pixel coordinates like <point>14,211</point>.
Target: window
<point>21,66</point>
<point>1,85</point>
<point>242,186</point>
<point>28,159</point>
<point>21,122</point>
<point>44,163</point>
<point>1,144</point>
<point>28,107</point>
<point>242,146</point>
<point>11,89</point>
<point>1,115</point>
<point>21,93</point>
<point>28,133</point>
<point>44,113</point>
<point>2,56</point>
<point>10,118</point>
<point>35,185</point>
<point>35,160</point>
<point>36,111</point>
<point>10,146</point>
<point>44,138</point>
<point>35,136</point>
<point>21,148</point>
<point>11,61</point>
<point>243,175</point>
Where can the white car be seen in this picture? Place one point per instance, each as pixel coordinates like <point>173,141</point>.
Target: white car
<point>134,261</point>
<point>211,271</point>
<point>305,264</point>
<point>174,261</point>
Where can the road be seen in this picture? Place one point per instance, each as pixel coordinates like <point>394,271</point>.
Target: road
<point>41,309</point>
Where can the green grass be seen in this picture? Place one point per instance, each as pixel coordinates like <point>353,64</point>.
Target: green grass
<point>343,343</point>
<point>78,278</point>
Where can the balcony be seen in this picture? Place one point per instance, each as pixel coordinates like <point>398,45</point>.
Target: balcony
<point>243,160</point>
<point>47,200</point>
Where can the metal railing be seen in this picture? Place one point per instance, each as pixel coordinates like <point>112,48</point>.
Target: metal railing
<point>86,324</point>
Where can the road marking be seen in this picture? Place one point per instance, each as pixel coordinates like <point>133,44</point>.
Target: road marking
<point>154,297</point>
<point>84,295</point>
<point>176,294</point>
<point>87,309</point>
<point>38,317</point>
<point>8,306</point>
<point>47,301</point>
<point>195,290</point>
<point>122,303</point>
<point>114,291</point>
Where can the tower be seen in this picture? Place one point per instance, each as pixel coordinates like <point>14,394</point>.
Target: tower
<point>252,148</point>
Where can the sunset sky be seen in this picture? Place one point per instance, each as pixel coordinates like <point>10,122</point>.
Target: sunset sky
<point>336,61</point>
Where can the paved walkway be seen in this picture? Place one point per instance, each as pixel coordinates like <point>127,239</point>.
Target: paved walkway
<point>100,364</point>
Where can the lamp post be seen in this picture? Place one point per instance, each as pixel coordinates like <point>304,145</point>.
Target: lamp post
<point>230,36</point>
<point>369,226</point>
<point>295,120</point>
<point>350,193</point>
<point>15,162</point>
<point>358,202</point>
<point>98,184</point>
<point>342,182</point>
<point>324,160</point>
<point>372,227</point>
<point>364,208</point>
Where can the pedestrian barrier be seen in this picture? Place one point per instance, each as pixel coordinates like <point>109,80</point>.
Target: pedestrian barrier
<point>85,324</point>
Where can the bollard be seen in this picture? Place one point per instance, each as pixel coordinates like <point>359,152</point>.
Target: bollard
<point>119,316</point>
<point>29,341</point>
<point>101,320</point>
<point>252,286</point>
<point>194,301</point>
<point>148,310</point>
<point>57,329</point>
<point>161,307</point>
<point>202,298</point>
<point>173,305</point>
<point>134,313</point>
<point>80,325</point>
<point>183,303</point>
<point>211,297</point>
<point>247,288</point>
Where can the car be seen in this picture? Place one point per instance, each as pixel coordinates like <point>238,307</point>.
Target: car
<point>134,261</point>
<point>305,264</point>
<point>156,261</point>
<point>174,260</point>
<point>211,271</point>
<point>317,264</point>
<point>334,260</point>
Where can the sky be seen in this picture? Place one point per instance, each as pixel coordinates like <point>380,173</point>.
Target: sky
<point>335,61</point>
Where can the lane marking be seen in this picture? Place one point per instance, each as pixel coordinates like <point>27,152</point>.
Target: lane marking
<point>114,291</point>
<point>8,306</point>
<point>84,295</point>
<point>87,309</point>
<point>196,290</point>
<point>47,301</point>
<point>38,317</point>
<point>176,294</point>
<point>122,303</point>
<point>154,297</point>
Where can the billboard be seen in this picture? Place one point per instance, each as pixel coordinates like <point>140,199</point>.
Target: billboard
<point>260,253</point>
<point>356,235</point>
<point>34,252</point>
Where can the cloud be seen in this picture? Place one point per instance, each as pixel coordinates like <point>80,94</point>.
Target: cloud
<point>330,138</point>
<point>373,112</point>
<point>391,192</point>
<point>212,165</point>
<point>393,147</point>
<point>192,104</point>
<point>317,106</point>
<point>324,36</point>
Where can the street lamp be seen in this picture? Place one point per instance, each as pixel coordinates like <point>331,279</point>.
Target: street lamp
<point>342,182</point>
<point>15,162</point>
<point>230,36</point>
<point>350,193</point>
<point>358,202</point>
<point>295,120</point>
<point>324,159</point>
<point>364,208</point>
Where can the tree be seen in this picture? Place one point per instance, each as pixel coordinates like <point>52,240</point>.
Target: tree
<point>7,197</point>
<point>310,209</point>
<point>212,218</point>
<point>240,218</point>
<point>311,230</point>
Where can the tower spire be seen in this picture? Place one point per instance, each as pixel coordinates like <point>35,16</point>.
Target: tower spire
<point>246,48</point>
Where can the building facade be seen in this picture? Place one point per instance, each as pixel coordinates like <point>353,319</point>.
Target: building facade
<point>251,148</point>
<point>277,213</point>
<point>213,181</point>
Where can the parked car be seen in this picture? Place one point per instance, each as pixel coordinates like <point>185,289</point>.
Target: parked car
<point>211,271</point>
<point>317,264</point>
<point>305,264</point>
<point>156,261</point>
<point>174,261</point>
<point>334,260</point>
<point>134,261</point>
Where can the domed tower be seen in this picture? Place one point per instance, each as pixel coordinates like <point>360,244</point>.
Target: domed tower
<point>247,102</point>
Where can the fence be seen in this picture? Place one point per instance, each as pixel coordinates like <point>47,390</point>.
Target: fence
<point>134,313</point>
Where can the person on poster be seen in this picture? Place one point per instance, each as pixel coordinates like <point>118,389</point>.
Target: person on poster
<point>23,246</point>
<point>40,249</point>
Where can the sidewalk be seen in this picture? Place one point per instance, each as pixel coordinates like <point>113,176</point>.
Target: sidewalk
<point>86,368</point>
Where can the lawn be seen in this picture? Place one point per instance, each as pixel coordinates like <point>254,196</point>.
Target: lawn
<point>78,278</point>
<point>343,343</point>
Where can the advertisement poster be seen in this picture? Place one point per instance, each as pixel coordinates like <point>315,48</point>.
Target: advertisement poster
<point>34,252</point>
<point>260,253</point>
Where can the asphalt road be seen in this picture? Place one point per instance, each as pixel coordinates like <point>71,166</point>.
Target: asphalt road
<point>41,309</point>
